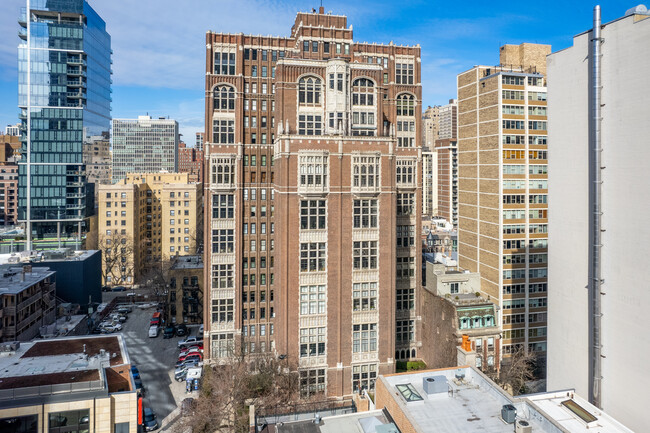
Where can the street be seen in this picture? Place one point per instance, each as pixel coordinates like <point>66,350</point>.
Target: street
<point>155,358</point>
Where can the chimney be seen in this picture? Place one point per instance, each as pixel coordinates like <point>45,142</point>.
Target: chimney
<point>321,10</point>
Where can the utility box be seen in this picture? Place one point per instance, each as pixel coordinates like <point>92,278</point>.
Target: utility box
<point>509,413</point>
<point>435,384</point>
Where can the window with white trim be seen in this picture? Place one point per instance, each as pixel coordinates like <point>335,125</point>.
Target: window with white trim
<point>364,377</point>
<point>365,172</point>
<point>312,300</point>
<point>405,203</point>
<point>312,382</point>
<point>405,172</point>
<point>312,256</point>
<point>404,73</point>
<point>364,338</point>
<point>223,206</point>
<point>405,331</point>
<point>309,91</point>
<point>365,214</point>
<point>313,214</point>
<point>313,171</point>
<point>223,131</point>
<point>223,241</point>
<point>224,62</point>
<point>364,296</point>
<point>223,97</point>
<point>223,170</point>
<point>222,276</point>
<point>309,124</point>
<point>312,341</point>
<point>222,310</point>
<point>364,255</point>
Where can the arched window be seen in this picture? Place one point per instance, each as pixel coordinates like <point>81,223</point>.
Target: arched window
<point>405,105</point>
<point>309,89</point>
<point>489,320</point>
<point>363,92</point>
<point>224,98</point>
<point>412,353</point>
<point>464,323</point>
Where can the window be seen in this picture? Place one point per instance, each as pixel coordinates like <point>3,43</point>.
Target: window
<point>405,172</point>
<point>364,296</point>
<point>537,110</point>
<point>365,214</point>
<point>223,131</point>
<point>405,105</point>
<point>223,206</point>
<point>536,96</point>
<point>405,203</point>
<point>223,241</point>
<point>312,382</point>
<point>314,46</point>
<point>453,288</point>
<point>223,345</point>
<point>305,46</point>
<point>537,125</point>
<point>364,338</point>
<point>312,300</point>
<point>313,214</point>
<point>405,236</point>
<point>309,89</point>
<point>513,109</point>
<point>74,421</point>
<point>224,98</point>
<point>223,170</point>
<point>310,124</point>
<point>365,173</point>
<point>404,73</point>
<point>405,299</point>
<point>515,95</point>
<point>405,331</point>
<point>514,124</point>
<point>312,341</point>
<point>253,71</point>
<point>515,81</point>
<point>121,427</point>
<point>222,310</point>
<point>363,91</point>
<point>364,377</point>
<point>222,276</point>
<point>405,267</point>
<point>224,63</point>
<point>312,256</point>
<point>364,255</point>
<point>313,171</point>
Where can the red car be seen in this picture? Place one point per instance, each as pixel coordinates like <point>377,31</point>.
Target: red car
<point>183,357</point>
<point>195,348</point>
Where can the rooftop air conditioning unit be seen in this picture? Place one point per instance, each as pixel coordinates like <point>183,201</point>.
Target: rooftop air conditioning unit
<point>523,426</point>
<point>509,413</point>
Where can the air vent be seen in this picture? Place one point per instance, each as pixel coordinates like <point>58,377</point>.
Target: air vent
<point>523,426</point>
<point>509,413</point>
<point>435,384</point>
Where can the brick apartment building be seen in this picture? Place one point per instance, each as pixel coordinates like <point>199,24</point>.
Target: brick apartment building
<point>313,201</point>
<point>190,160</point>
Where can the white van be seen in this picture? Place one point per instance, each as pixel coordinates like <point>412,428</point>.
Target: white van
<point>153,332</point>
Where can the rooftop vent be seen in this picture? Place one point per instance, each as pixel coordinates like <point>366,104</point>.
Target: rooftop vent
<point>435,384</point>
<point>523,426</point>
<point>637,10</point>
<point>460,374</point>
<point>509,413</point>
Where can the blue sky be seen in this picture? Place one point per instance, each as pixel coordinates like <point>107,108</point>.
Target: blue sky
<point>159,45</point>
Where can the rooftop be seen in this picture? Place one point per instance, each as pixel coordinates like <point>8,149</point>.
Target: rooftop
<point>34,256</point>
<point>13,280</point>
<point>60,366</point>
<point>187,262</point>
<point>465,400</point>
<point>358,422</point>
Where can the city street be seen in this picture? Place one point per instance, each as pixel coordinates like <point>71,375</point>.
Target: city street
<point>155,358</point>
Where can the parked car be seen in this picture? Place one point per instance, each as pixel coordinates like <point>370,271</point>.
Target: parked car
<point>106,289</point>
<point>118,289</point>
<point>139,386</point>
<point>150,422</point>
<point>190,354</point>
<point>110,327</point>
<point>153,332</point>
<point>201,330</point>
<point>135,372</point>
<point>187,349</point>
<point>190,341</point>
<point>168,332</point>
<point>181,330</point>
<point>117,317</point>
<point>124,311</point>
<point>190,359</point>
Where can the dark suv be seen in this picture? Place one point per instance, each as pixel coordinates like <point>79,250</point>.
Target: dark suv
<point>168,332</point>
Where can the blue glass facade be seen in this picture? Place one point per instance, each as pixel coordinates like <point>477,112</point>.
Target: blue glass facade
<point>64,100</point>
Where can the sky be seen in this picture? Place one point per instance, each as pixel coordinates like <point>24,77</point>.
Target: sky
<point>159,45</point>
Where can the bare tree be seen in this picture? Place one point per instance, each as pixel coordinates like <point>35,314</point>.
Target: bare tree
<point>118,257</point>
<point>517,370</point>
<point>227,390</point>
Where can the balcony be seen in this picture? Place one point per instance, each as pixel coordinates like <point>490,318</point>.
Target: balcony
<point>76,83</point>
<point>75,61</point>
<point>76,95</point>
<point>75,206</point>
<point>75,195</point>
<point>22,34</point>
<point>78,72</point>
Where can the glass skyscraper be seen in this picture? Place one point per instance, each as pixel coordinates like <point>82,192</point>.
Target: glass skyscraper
<point>64,99</point>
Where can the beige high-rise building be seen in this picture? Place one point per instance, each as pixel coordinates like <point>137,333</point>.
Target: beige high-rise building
<point>430,126</point>
<point>502,160</point>
<point>97,159</point>
<point>144,220</point>
<point>448,121</point>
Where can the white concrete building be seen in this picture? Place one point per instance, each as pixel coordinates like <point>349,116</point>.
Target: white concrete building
<point>625,234</point>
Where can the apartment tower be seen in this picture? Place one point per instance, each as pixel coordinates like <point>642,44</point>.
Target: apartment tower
<point>312,146</point>
<point>64,95</point>
<point>144,145</point>
<point>502,157</point>
<point>446,147</point>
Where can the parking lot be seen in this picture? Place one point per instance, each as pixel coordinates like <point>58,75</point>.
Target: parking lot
<point>155,358</point>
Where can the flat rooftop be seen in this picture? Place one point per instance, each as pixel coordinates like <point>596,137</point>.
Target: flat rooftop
<point>464,400</point>
<point>359,422</point>
<point>187,262</point>
<point>36,257</point>
<point>13,281</point>
<point>60,361</point>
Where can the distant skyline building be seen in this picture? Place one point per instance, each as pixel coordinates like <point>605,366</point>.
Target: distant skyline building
<point>448,120</point>
<point>447,179</point>
<point>430,126</point>
<point>503,196</point>
<point>190,160</point>
<point>144,145</point>
<point>615,377</point>
<point>97,159</point>
<point>13,130</point>
<point>198,144</point>
<point>66,97</point>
